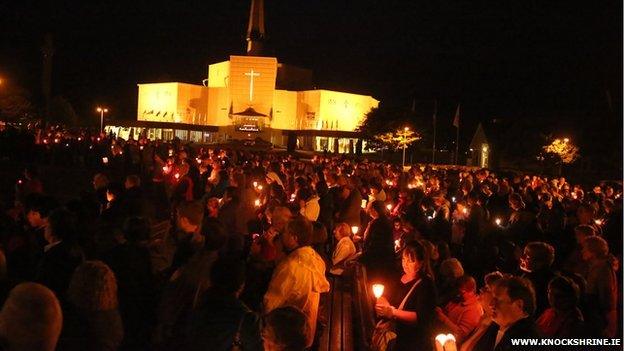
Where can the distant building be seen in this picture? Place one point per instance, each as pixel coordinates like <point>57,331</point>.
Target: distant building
<point>251,96</point>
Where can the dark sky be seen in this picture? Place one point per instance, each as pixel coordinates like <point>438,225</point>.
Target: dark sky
<point>510,58</point>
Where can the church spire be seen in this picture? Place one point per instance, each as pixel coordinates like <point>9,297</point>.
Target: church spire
<point>255,29</point>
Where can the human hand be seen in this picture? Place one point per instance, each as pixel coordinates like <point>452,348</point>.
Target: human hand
<point>385,311</point>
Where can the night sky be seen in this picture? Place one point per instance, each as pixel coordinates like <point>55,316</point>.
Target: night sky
<point>500,59</point>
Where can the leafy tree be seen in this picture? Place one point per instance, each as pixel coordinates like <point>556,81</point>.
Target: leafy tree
<point>14,103</point>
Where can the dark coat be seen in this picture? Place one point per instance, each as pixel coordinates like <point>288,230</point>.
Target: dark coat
<point>378,248</point>
<point>214,324</point>
<point>418,336</point>
<point>522,329</point>
<point>57,266</point>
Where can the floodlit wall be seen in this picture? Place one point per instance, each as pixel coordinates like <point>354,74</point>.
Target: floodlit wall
<point>284,110</point>
<point>173,102</point>
<point>219,75</point>
<point>344,111</point>
<point>260,98</point>
<point>157,102</point>
<point>308,110</point>
<point>218,107</point>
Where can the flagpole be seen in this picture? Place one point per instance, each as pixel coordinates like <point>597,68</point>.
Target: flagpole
<point>435,111</point>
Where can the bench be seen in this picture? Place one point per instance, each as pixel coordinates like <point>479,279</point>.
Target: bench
<point>364,309</point>
<point>336,312</point>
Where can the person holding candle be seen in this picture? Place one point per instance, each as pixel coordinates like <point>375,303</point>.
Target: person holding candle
<point>461,316</point>
<point>414,313</point>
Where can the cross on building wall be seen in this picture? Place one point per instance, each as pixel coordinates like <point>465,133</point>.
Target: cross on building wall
<point>251,74</point>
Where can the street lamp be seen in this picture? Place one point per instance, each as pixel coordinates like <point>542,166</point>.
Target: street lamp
<point>102,111</point>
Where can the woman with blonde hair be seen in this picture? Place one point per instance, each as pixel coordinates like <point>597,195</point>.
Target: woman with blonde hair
<point>93,320</point>
<point>344,250</point>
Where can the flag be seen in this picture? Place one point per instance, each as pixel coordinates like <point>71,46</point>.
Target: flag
<point>456,119</point>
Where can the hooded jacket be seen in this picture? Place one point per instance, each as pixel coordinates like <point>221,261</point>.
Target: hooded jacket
<point>298,281</point>
<point>311,209</point>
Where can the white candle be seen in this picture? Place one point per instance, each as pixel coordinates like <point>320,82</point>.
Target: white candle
<point>378,290</point>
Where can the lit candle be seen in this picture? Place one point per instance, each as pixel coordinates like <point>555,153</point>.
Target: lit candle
<point>354,229</point>
<point>292,197</point>
<point>453,199</point>
<point>378,290</point>
<point>105,160</point>
<point>177,176</point>
<point>389,207</point>
<point>259,187</point>
<point>498,221</point>
<point>19,181</point>
<point>598,221</point>
<point>445,342</point>
<point>257,203</point>
<point>397,245</point>
<point>363,205</point>
<point>255,184</point>
<point>465,210</point>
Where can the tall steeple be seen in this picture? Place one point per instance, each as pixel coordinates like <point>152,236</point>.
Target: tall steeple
<point>255,29</point>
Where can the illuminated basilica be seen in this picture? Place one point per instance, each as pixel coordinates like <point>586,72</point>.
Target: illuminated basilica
<point>250,97</point>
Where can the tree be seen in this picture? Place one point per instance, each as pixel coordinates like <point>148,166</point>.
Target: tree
<point>14,103</point>
<point>382,121</point>
<point>563,151</point>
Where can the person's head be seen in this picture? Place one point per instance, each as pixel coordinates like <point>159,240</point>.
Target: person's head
<point>345,191</point>
<point>93,287</point>
<point>38,209</point>
<point>537,256</point>
<point>513,299</point>
<point>451,269</point>
<point>284,330</point>
<point>582,232</point>
<point>377,209</point>
<point>515,202</point>
<point>466,286</point>
<point>227,275</point>
<point>132,181</point>
<point>61,226</point>
<point>298,233</point>
<point>341,230</point>
<point>100,181</point>
<point>31,318</point>
<point>594,247</point>
<point>585,213</point>
<point>485,293</point>
<point>563,293</point>
<point>212,207</point>
<point>189,216</point>
<point>375,188</point>
<point>415,258</point>
<point>280,216</point>
<point>136,229</point>
<point>215,236</point>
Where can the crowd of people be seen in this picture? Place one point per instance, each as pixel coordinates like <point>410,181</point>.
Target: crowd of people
<point>191,247</point>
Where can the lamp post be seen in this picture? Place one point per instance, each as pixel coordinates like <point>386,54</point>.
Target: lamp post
<point>102,111</point>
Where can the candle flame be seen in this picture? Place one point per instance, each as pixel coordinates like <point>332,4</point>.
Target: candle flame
<point>378,290</point>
